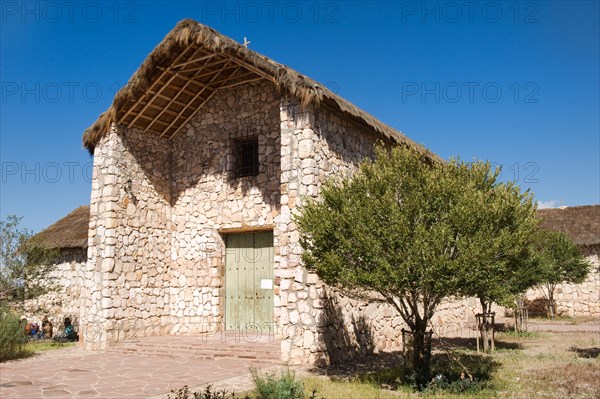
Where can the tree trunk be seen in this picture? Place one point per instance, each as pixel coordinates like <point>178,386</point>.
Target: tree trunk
<point>484,335</point>
<point>486,326</point>
<point>551,305</point>
<point>419,342</point>
<point>416,342</point>
<point>521,315</point>
<point>420,359</point>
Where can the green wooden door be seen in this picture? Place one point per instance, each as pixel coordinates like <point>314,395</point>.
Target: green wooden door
<point>249,281</point>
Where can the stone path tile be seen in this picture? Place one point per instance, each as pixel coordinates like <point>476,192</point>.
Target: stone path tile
<point>75,373</point>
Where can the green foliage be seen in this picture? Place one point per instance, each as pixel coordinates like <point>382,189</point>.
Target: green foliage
<point>25,262</point>
<point>561,262</point>
<point>461,372</point>
<point>207,393</point>
<point>441,383</point>
<point>561,259</point>
<point>498,231</point>
<point>417,232</point>
<point>272,386</point>
<point>267,386</point>
<point>12,339</point>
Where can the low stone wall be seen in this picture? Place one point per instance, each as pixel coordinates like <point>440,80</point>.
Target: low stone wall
<point>324,326</point>
<point>574,300</point>
<point>63,299</point>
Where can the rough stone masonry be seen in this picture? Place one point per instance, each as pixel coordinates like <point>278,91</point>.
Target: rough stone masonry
<point>160,208</point>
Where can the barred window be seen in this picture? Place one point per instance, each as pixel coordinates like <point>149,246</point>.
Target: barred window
<point>246,157</point>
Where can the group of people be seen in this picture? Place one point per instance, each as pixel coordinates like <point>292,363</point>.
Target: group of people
<point>45,331</point>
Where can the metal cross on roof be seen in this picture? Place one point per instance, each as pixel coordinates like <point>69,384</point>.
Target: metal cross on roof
<point>246,42</point>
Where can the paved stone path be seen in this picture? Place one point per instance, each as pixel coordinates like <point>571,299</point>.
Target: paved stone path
<point>557,326</point>
<point>75,373</point>
<point>152,367</point>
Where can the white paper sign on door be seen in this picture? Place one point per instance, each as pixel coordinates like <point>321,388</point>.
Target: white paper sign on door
<point>266,284</point>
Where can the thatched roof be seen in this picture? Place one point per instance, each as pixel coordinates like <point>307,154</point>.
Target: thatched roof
<point>192,63</point>
<point>69,232</point>
<point>581,223</point>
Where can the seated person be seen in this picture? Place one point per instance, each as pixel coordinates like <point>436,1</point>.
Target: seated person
<point>68,334</point>
<point>26,327</point>
<point>35,331</point>
<point>46,328</point>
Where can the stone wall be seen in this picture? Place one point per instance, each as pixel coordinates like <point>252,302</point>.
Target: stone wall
<point>209,200</point>
<point>64,284</point>
<point>575,300</point>
<point>129,240</point>
<point>157,212</point>
<point>319,324</point>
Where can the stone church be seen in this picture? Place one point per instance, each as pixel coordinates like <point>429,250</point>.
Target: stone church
<point>199,165</point>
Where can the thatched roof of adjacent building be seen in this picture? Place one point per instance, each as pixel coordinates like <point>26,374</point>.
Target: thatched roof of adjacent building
<point>69,232</point>
<point>581,223</point>
<point>189,66</point>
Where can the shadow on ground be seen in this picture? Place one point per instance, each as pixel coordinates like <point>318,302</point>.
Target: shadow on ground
<point>386,369</point>
<point>471,344</point>
<point>587,353</point>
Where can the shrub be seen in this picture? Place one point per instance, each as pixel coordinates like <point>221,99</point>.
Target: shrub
<point>267,386</point>
<point>11,334</point>
<point>271,386</point>
<point>441,383</point>
<point>208,393</point>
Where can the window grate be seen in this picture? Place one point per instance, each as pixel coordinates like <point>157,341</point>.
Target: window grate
<point>246,157</point>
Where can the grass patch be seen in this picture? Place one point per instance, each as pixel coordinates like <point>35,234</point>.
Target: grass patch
<point>453,372</point>
<point>544,366</point>
<point>32,348</point>
<point>337,389</point>
<point>572,380</point>
<point>520,334</point>
<point>47,345</point>
<point>20,353</point>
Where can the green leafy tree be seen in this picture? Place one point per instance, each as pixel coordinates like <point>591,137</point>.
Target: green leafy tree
<point>501,232</point>
<point>412,231</point>
<point>25,262</point>
<point>561,261</point>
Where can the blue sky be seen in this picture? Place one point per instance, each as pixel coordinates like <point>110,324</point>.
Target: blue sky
<point>515,83</point>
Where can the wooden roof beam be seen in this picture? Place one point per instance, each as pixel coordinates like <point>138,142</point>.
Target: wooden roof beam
<point>152,87</point>
<point>189,79</point>
<point>208,56</point>
<point>229,79</point>
<point>217,62</point>
<point>183,89</point>
<point>241,83</point>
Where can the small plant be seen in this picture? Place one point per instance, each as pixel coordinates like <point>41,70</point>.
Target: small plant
<point>464,385</point>
<point>267,386</point>
<point>208,393</point>
<point>12,340</point>
<point>284,386</point>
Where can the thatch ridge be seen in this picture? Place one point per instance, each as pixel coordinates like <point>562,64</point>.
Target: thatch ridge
<point>188,32</point>
<point>68,232</point>
<point>581,223</point>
